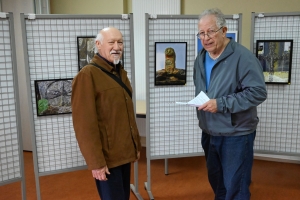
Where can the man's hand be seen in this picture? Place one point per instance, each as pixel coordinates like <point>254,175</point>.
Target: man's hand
<point>100,174</point>
<point>138,156</point>
<point>210,106</point>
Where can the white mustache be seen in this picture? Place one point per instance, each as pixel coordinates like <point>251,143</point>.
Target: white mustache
<point>115,52</point>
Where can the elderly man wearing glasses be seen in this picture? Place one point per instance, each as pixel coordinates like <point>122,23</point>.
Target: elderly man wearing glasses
<point>232,78</point>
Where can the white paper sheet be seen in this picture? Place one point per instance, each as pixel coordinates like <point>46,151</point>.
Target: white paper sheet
<point>200,99</point>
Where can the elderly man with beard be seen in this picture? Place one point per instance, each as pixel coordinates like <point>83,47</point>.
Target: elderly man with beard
<point>104,118</point>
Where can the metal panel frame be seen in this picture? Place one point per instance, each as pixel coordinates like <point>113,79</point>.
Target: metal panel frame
<point>280,147</point>
<point>109,19</point>
<point>150,157</point>
<point>10,18</point>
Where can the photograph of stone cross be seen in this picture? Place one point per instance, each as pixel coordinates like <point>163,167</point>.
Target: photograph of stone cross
<point>275,57</point>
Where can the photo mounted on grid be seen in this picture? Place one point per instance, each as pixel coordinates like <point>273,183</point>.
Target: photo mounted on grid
<point>86,50</point>
<point>53,96</point>
<point>275,56</point>
<point>170,63</point>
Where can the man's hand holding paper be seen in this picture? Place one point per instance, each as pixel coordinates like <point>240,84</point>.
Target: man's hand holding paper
<point>203,103</point>
<point>209,106</point>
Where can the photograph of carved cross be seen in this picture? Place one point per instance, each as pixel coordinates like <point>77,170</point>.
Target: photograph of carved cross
<point>275,57</point>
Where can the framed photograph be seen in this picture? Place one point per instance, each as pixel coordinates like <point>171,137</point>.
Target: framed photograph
<point>170,63</point>
<point>229,34</point>
<point>86,50</point>
<point>275,57</point>
<point>232,35</point>
<point>53,97</point>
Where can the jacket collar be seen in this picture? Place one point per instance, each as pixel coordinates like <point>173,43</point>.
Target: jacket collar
<point>109,65</point>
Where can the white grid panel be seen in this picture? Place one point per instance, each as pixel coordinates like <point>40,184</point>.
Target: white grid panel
<point>9,146</point>
<point>174,128</point>
<point>278,130</point>
<point>52,54</point>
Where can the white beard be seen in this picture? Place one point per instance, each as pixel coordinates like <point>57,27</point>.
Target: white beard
<point>116,61</point>
<point>116,57</point>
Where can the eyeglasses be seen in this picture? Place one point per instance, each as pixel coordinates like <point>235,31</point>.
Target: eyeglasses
<point>210,33</point>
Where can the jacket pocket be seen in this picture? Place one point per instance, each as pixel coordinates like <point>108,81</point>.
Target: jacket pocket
<point>219,123</point>
<point>245,120</point>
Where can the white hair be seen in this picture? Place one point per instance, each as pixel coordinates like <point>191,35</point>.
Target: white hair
<point>100,39</point>
<point>220,19</point>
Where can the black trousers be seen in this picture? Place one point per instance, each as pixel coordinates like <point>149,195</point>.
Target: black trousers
<point>117,187</point>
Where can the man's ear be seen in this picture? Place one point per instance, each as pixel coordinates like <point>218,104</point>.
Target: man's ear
<point>224,29</point>
<point>98,44</point>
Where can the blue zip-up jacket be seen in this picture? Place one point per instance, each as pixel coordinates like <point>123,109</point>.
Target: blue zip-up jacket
<point>237,83</point>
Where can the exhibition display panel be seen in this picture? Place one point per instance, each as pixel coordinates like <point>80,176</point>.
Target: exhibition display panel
<point>172,130</point>
<point>52,49</point>
<point>11,148</point>
<point>275,40</point>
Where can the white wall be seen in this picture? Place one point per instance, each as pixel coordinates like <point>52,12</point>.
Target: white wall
<point>139,8</point>
<point>17,7</point>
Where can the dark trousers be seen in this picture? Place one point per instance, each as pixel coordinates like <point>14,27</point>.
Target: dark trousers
<point>229,164</point>
<point>205,143</point>
<point>117,187</point>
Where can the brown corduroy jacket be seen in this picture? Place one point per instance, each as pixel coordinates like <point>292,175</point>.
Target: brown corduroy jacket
<point>103,117</point>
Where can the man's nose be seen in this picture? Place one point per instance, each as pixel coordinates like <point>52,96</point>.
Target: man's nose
<point>116,45</point>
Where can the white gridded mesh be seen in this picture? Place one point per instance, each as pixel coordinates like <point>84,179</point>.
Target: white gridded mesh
<point>174,128</point>
<point>278,130</point>
<point>52,54</point>
<point>9,146</point>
